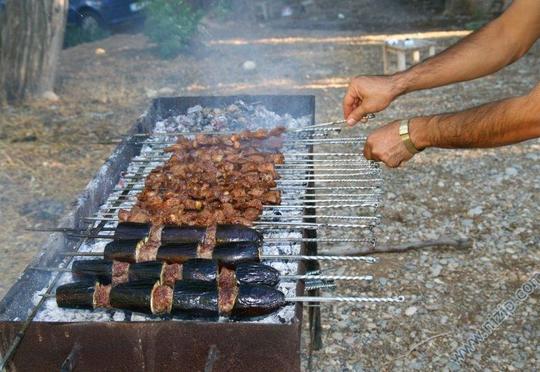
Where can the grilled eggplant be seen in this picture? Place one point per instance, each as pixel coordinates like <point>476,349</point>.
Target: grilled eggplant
<point>133,296</point>
<point>237,233</point>
<point>229,254</point>
<point>93,269</point>
<point>187,234</point>
<point>182,234</point>
<point>149,271</point>
<point>115,272</point>
<point>232,254</point>
<point>131,231</point>
<point>78,295</point>
<point>188,297</point>
<point>122,250</point>
<point>177,253</point>
<point>195,298</point>
<point>200,269</point>
<point>256,273</point>
<point>257,300</point>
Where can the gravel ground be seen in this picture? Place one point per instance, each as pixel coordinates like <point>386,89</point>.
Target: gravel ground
<point>489,196</point>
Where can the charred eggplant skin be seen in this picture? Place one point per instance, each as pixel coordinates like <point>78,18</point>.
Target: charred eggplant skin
<point>177,253</point>
<point>150,271</point>
<point>257,300</point>
<point>182,234</point>
<point>237,233</point>
<point>232,254</point>
<point>200,269</point>
<point>187,234</point>
<point>93,269</point>
<point>121,250</point>
<point>78,295</point>
<point>133,296</point>
<point>195,298</point>
<point>257,273</point>
<point>131,231</point>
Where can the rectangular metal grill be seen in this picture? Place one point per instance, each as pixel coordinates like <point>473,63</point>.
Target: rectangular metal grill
<point>316,194</point>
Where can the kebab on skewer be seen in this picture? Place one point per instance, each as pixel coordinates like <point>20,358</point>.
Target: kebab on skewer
<point>226,253</point>
<point>229,254</point>
<point>225,296</point>
<point>187,234</point>
<point>117,272</point>
<point>187,297</point>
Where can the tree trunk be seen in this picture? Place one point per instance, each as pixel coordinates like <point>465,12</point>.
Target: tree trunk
<point>31,37</point>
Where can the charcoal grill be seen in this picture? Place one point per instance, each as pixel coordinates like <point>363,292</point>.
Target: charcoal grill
<point>141,343</point>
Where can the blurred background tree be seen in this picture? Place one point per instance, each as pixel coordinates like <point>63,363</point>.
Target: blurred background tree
<point>171,24</point>
<point>31,37</point>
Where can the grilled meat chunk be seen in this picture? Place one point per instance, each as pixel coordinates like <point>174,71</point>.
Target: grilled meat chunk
<point>209,180</point>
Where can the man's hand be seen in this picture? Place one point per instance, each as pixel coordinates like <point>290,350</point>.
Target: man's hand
<point>385,145</point>
<point>369,94</point>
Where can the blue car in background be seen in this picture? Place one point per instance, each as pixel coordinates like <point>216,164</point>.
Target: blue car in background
<point>93,14</point>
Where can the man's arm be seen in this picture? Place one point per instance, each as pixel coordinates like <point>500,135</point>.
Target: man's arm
<point>499,43</point>
<point>494,124</point>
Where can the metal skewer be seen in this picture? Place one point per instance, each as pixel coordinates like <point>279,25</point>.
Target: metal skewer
<point>345,299</point>
<point>375,195</point>
<point>308,177</point>
<point>82,233</point>
<point>328,277</point>
<point>368,116</point>
<point>284,188</point>
<point>295,141</point>
<point>308,201</point>
<point>366,259</point>
<point>283,277</point>
<point>324,127</point>
<point>320,299</point>
<point>322,216</point>
<point>287,155</point>
<point>305,225</point>
<point>314,127</point>
<point>289,162</point>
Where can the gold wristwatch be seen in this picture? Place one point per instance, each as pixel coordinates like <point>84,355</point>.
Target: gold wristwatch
<point>406,138</point>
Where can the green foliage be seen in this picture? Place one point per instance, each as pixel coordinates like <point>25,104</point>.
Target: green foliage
<point>75,35</point>
<point>171,24</point>
<point>222,9</point>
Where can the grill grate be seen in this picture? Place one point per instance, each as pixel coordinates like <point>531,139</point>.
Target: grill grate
<point>282,226</point>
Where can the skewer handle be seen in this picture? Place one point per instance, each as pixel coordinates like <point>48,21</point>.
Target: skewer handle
<point>345,299</point>
<point>366,259</point>
<point>327,277</point>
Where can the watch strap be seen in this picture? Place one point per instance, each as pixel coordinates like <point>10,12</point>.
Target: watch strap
<point>406,138</point>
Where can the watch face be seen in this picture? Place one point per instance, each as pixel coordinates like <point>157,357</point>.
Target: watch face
<point>404,127</point>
